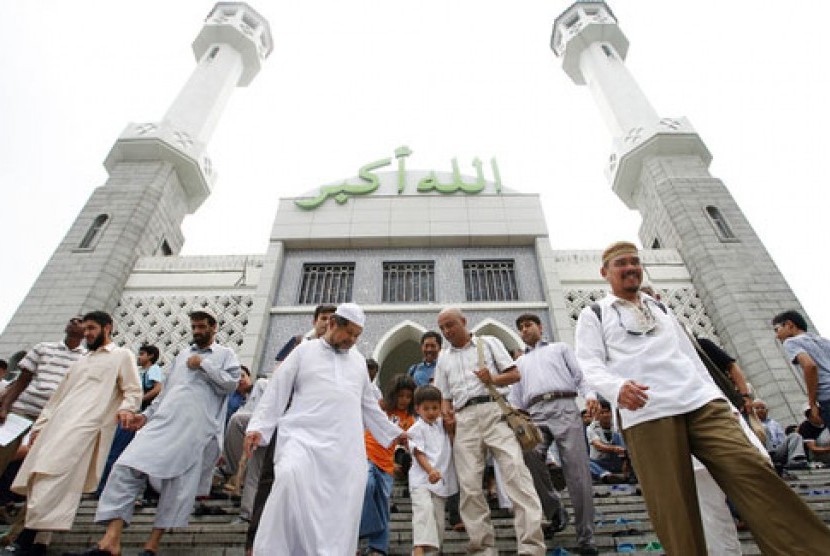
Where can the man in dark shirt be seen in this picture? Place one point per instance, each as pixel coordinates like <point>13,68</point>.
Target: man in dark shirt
<point>728,365</point>
<point>816,438</point>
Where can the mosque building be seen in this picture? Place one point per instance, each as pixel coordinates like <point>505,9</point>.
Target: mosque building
<point>402,242</point>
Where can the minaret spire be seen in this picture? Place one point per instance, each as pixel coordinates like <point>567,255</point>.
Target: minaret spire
<point>660,167</point>
<point>230,49</point>
<point>158,173</point>
<point>593,49</point>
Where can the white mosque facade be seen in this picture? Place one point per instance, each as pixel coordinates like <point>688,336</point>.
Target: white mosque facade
<point>404,242</point>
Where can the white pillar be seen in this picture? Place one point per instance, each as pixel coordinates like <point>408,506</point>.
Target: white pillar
<point>621,102</point>
<point>200,104</point>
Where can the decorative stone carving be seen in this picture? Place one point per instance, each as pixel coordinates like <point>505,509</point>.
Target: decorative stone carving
<point>670,123</point>
<point>183,139</point>
<point>143,129</point>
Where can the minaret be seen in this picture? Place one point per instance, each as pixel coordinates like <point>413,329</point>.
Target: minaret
<point>660,167</point>
<point>158,173</point>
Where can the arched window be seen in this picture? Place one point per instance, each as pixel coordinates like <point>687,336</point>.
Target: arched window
<point>720,224</point>
<point>607,50</point>
<point>94,233</point>
<point>164,249</point>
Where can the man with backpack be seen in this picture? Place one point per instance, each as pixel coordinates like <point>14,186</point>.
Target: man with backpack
<point>636,354</point>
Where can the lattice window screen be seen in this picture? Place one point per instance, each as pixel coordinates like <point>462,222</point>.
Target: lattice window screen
<point>684,302</point>
<point>162,321</point>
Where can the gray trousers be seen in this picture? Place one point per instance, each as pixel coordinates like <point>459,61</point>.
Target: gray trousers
<point>176,497</point>
<point>790,451</point>
<point>560,422</point>
<point>232,452</point>
<point>252,472</point>
<point>234,441</point>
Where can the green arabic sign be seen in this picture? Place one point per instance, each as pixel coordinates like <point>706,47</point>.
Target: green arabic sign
<point>369,182</point>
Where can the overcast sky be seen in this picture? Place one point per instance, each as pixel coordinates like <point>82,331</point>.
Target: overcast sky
<point>349,81</point>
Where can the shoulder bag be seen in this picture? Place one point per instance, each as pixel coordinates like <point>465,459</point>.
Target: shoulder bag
<point>527,433</point>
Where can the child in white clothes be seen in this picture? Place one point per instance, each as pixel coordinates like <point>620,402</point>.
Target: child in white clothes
<point>432,478</point>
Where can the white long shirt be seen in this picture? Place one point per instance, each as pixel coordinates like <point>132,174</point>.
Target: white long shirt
<point>434,442</point>
<point>320,468</point>
<point>455,371</point>
<point>547,367</point>
<point>663,359</point>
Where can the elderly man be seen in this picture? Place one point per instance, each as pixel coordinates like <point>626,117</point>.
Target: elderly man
<point>634,352</point>
<point>261,466</point>
<point>480,426</point>
<point>71,437</point>
<point>320,468</point>
<point>550,381</point>
<point>174,431</point>
<point>786,450</point>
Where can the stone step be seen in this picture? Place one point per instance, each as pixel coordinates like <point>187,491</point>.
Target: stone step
<point>621,517</point>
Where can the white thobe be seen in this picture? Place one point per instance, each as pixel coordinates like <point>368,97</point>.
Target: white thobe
<point>184,418</point>
<point>320,466</point>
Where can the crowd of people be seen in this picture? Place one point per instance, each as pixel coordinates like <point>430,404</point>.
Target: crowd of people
<point>663,409</point>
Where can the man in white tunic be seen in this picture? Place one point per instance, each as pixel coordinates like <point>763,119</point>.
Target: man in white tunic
<point>634,352</point>
<point>71,437</point>
<point>323,399</point>
<point>173,434</point>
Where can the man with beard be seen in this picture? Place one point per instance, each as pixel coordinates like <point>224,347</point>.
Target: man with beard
<point>422,372</point>
<point>71,437</point>
<point>320,468</point>
<point>173,434</point>
<point>259,476</point>
<point>634,352</point>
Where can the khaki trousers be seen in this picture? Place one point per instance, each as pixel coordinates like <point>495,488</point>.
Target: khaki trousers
<point>481,428</point>
<point>661,453</point>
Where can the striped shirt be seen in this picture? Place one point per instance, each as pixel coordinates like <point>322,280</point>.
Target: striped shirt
<point>48,362</point>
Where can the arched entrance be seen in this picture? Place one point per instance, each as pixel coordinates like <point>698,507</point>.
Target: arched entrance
<point>490,327</point>
<point>397,350</point>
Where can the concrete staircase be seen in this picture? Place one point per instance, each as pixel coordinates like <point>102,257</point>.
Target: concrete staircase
<point>622,522</point>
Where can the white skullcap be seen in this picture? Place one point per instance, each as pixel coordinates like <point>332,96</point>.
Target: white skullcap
<point>351,312</point>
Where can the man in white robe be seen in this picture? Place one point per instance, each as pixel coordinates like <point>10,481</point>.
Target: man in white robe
<point>320,468</point>
<point>174,432</point>
<point>70,439</point>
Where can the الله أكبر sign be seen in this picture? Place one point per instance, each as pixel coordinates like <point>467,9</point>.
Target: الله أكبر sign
<point>370,181</point>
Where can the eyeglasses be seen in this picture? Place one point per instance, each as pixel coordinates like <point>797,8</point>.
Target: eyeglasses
<point>646,325</point>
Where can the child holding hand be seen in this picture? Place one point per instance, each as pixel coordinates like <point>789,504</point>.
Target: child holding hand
<point>432,478</point>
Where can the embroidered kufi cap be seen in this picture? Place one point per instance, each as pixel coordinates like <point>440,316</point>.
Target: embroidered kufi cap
<point>351,312</point>
<point>617,249</point>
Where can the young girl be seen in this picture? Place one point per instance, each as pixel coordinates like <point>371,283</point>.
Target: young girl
<point>398,402</point>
